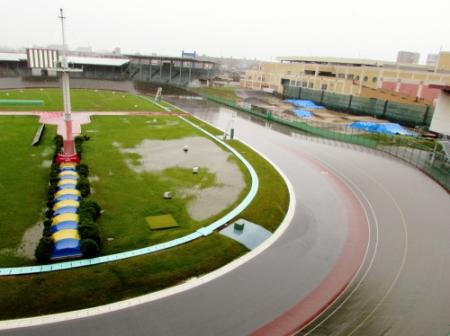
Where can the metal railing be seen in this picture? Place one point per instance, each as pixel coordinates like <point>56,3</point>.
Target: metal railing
<point>426,155</point>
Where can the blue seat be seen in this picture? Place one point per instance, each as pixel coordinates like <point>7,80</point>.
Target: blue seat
<point>69,225</point>
<point>67,197</point>
<point>65,210</point>
<point>66,248</point>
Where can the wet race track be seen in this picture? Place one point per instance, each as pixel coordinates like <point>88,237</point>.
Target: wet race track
<point>402,287</point>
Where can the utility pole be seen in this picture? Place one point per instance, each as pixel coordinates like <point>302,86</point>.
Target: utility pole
<point>69,154</point>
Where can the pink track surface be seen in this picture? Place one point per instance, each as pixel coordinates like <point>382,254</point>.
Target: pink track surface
<point>57,118</point>
<point>340,276</point>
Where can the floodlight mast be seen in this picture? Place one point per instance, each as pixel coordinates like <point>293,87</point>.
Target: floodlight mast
<point>69,149</point>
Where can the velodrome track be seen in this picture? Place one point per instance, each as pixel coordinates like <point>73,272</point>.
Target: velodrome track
<point>401,289</point>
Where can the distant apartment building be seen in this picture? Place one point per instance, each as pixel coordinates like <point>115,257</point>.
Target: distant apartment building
<point>408,57</point>
<point>360,77</point>
<point>432,59</point>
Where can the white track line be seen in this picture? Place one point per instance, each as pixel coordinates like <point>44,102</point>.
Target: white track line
<point>348,182</point>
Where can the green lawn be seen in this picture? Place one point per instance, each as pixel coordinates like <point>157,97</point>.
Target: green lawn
<point>82,100</point>
<point>23,181</point>
<point>80,288</point>
<point>226,92</point>
<point>127,196</point>
<point>92,286</point>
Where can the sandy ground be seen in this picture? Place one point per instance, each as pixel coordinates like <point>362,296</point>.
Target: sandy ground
<point>157,155</point>
<point>285,110</point>
<point>30,240</point>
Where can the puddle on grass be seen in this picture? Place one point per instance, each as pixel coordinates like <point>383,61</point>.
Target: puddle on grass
<point>158,155</point>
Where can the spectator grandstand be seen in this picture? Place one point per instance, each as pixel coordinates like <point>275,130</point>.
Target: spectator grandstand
<point>152,69</point>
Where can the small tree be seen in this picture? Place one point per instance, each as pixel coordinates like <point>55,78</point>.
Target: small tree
<point>83,169</point>
<point>91,206</point>
<point>47,222</point>
<point>44,249</point>
<point>84,186</point>
<point>89,248</point>
<point>90,232</point>
<point>52,189</point>
<point>49,213</point>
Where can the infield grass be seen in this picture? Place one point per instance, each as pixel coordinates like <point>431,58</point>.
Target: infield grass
<point>82,100</point>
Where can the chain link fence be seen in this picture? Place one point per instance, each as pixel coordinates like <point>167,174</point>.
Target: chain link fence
<point>426,155</point>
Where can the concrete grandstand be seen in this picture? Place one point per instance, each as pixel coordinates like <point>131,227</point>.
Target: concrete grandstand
<point>151,69</point>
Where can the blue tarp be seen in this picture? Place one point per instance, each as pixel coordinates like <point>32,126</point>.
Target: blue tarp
<point>303,103</point>
<point>384,128</point>
<point>302,113</point>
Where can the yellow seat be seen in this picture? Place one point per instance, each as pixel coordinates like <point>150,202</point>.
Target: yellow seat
<point>68,165</point>
<point>65,218</point>
<point>75,192</point>
<point>68,173</point>
<point>66,234</point>
<point>66,181</point>
<point>66,203</point>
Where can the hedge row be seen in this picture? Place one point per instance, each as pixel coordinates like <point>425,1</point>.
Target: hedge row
<point>88,211</point>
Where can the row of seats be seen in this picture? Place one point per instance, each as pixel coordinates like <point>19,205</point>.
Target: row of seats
<point>65,218</point>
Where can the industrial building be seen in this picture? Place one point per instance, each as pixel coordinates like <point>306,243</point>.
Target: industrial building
<point>358,77</point>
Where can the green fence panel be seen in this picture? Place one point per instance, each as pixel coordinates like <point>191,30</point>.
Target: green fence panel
<point>410,115</point>
<point>405,114</point>
<point>336,101</point>
<point>421,155</point>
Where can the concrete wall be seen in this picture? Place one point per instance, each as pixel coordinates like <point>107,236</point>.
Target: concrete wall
<point>347,79</point>
<point>444,61</point>
<point>441,117</point>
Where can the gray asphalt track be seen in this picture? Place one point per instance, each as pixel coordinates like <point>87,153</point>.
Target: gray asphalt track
<point>402,288</point>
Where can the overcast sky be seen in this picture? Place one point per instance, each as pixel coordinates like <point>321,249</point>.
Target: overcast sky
<point>239,28</point>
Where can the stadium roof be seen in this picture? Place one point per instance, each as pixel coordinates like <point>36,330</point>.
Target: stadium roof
<point>354,62</point>
<point>97,60</point>
<point>5,56</point>
<point>172,58</point>
<point>106,61</point>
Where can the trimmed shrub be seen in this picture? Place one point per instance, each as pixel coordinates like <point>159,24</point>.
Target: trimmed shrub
<point>89,248</point>
<point>46,232</point>
<point>52,190</point>
<point>91,206</point>
<point>54,170</point>
<point>90,231</point>
<point>49,213</point>
<point>79,145</point>
<point>79,139</point>
<point>50,203</point>
<point>84,186</point>
<point>44,249</point>
<point>86,216</point>
<point>54,180</point>
<point>83,169</point>
<point>59,141</point>
<point>47,222</point>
